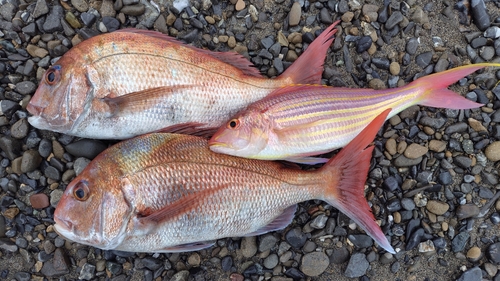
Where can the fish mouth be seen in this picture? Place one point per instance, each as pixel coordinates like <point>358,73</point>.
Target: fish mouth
<point>34,109</point>
<point>63,227</point>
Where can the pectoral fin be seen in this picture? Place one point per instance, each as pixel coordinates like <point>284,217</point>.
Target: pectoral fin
<point>191,128</point>
<point>141,100</point>
<point>278,223</point>
<point>189,247</point>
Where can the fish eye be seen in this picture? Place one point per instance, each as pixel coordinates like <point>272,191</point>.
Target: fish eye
<point>52,74</point>
<point>81,191</point>
<point>234,124</point>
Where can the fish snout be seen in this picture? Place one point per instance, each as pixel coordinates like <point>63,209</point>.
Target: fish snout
<point>35,110</point>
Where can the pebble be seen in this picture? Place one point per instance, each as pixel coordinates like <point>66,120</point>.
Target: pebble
<point>474,254</point>
<point>249,246</point>
<point>472,274</point>
<point>357,266</point>
<point>437,207</point>
<point>492,151</point>
<point>459,242</point>
<point>414,151</point>
<point>295,237</point>
<point>294,15</point>
<point>423,59</point>
<point>39,201</point>
<point>480,15</point>
<point>467,211</point>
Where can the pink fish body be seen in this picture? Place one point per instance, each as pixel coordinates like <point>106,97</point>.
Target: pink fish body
<point>299,121</point>
<point>131,82</point>
<point>168,192</point>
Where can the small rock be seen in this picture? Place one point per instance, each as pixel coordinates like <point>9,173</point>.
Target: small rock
<point>460,241</point>
<point>249,246</point>
<point>296,238</point>
<point>315,263</point>
<point>472,274</point>
<point>480,14</point>
<point>39,201</point>
<point>492,151</point>
<point>414,151</point>
<point>467,211</point>
<point>437,207</point>
<point>294,15</point>
<point>474,254</point>
<point>357,266</point>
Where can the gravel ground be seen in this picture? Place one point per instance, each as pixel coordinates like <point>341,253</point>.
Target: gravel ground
<point>434,178</point>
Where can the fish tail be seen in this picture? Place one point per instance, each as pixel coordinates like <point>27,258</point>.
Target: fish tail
<point>308,68</point>
<point>435,92</point>
<point>346,174</point>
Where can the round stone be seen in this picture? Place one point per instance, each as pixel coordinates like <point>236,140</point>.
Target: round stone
<point>39,201</point>
<point>437,207</point>
<point>492,152</point>
<point>314,264</point>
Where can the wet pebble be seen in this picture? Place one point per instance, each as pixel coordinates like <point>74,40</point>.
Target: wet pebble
<point>492,151</point>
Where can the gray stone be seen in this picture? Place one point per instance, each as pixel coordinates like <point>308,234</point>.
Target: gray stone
<point>357,266</point>
<point>314,264</point>
<point>53,21</point>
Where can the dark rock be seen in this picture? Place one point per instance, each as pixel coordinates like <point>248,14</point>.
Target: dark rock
<point>296,238</point>
<point>395,18</point>
<point>423,59</point>
<point>111,23</point>
<point>53,21</point>
<point>360,240</point>
<point>472,274</point>
<point>480,15</point>
<point>339,256</point>
<point>460,241</point>
<point>415,239</point>
<point>85,148</point>
<point>462,161</point>
<point>411,46</point>
<point>363,44</point>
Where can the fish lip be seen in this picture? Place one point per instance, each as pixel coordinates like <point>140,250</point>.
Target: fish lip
<point>34,109</point>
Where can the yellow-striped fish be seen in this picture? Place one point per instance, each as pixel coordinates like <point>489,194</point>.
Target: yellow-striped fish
<point>299,121</point>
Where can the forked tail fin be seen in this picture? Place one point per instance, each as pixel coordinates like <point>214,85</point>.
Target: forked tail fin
<point>308,68</point>
<point>435,91</point>
<point>347,173</point>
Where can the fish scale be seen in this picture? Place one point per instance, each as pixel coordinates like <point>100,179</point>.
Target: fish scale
<point>168,192</point>
<point>299,121</point>
<point>131,82</point>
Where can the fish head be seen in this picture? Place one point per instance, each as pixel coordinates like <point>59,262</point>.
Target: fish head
<point>245,135</point>
<point>93,209</point>
<point>61,95</point>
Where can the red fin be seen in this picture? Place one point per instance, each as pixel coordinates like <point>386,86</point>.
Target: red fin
<point>278,223</point>
<point>191,128</point>
<point>308,68</point>
<point>178,208</point>
<point>435,91</point>
<point>232,58</point>
<point>139,101</point>
<point>189,247</point>
<point>350,166</point>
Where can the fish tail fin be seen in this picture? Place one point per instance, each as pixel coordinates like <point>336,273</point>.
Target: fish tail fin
<point>346,174</point>
<point>435,92</point>
<point>308,68</point>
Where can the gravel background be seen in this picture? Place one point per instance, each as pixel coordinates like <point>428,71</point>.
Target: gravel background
<point>434,178</point>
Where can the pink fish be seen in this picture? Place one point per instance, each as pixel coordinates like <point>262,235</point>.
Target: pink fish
<point>130,82</point>
<point>168,193</point>
<point>296,122</point>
